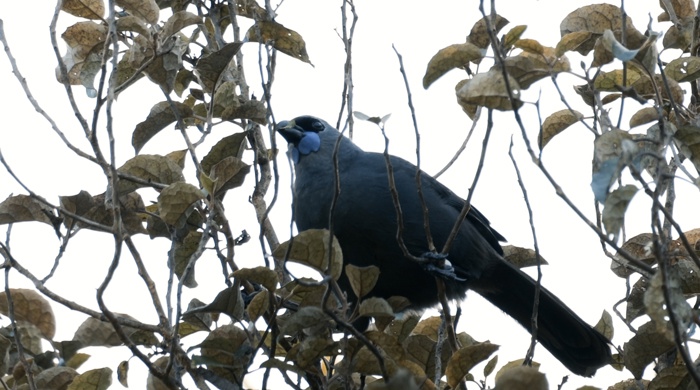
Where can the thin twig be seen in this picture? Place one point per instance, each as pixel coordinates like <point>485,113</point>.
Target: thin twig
<point>536,304</point>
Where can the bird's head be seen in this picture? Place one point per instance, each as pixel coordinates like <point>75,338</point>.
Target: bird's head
<point>303,134</point>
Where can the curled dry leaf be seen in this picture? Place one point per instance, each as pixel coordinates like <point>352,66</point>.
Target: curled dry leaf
<point>307,353</point>
<point>183,251</point>
<point>165,66</point>
<point>177,201</point>
<point>232,145</point>
<point>556,123</point>
<point>683,69</point>
<point>644,347</point>
<point>680,35</point>
<point>227,352</point>
<point>596,19</point>
<point>88,9</point>
<point>311,319</point>
<point>465,359</point>
<point>681,9</point>
<point>362,279</point>
<point>610,81</point>
<point>689,139</point>
<point>24,208</point>
<point>260,275</point>
<point>663,297</point>
<point>451,57</point>
<point>93,332</point>
<point>30,307</point>
<point>530,46</point>
<point>644,116</point>
<point>615,207</point>
<point>574,41</point>
<point>55,378</point>
<point>611,152</point>
<point>528,68</point>
<point>198,321</point>
<point>210,67</point>
<point>123,373</point>
<point>151,168</point>
<point>227,174</point>
<point>522,378</point>
<point>402,328</point>
<point>133,24</point>
<point>522,257</point>
<point>254,110</point>
<point>177,22</point>
<point>605,325</point>
<point>147,10</point>
<point>228,301</point>
<point>283,39</point>
<point>97,379</point>
<point>479,34</point>
<point>81,38</point>
<point>161,115</point>
<point>258,305</point>
<point>310,248</point>
<point>513,36</point>
<point>375,307</point>
<point>489,90</point>
<point>639,246</point>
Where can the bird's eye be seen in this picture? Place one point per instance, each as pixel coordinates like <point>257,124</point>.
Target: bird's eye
<point>318,126</point>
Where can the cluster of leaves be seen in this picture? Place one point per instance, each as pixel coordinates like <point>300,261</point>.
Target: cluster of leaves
<point>623,160</point>
<point>202,70</point>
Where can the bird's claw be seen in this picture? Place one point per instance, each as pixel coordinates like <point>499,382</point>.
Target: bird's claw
<point>438,265</point>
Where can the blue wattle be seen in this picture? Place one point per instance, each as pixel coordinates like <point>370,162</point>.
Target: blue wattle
<point>310,143</point>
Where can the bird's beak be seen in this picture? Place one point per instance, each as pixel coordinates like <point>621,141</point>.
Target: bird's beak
<point>290,131</point>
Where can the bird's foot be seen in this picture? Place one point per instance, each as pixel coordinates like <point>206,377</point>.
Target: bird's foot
<point>437,264</point>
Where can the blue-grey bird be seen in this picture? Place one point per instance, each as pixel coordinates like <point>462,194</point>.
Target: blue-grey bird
<point>365,223</point>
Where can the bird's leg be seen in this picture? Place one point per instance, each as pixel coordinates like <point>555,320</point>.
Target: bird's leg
<point>438,265</point>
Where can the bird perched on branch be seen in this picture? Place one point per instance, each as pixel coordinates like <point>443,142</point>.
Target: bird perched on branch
<point>365,223</point>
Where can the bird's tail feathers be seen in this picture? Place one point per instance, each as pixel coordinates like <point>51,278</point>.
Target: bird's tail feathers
<point>572,341</point>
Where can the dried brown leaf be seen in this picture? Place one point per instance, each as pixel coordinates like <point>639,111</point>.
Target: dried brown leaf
<point>644,116</point>
<point>362,279</point>
<point>227,351</point>
<point>260,275</point>
<point>283,39</point>
<point>30,307</point>
<point>97,379</point>
<point>479,34</point>
<point>451,57</point>
<point>615,207</point>
<point>683,69</point>
<point>177,201</point>
<point>489,90</point>
<point>232,145</point>
<point>210,67</point>
<point>177,22</point>
<point>24,208</point>
<point>151,168</point>
<point>88,9</point>
<point>522,257</point>
<point>310,248</point>
<point>689,139</point>
<point>147,10</point>
<point>556,123</point>
<point>465,359</point>
<point>161,115</point>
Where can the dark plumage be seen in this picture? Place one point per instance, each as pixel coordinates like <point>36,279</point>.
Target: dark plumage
<point>365,225</point>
